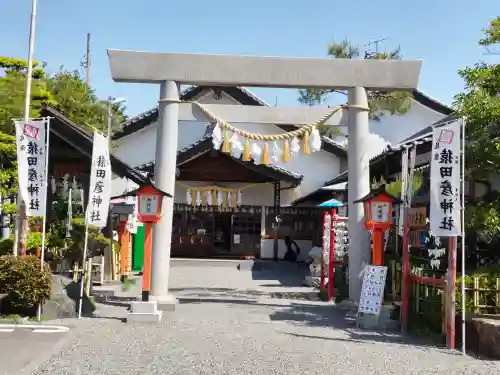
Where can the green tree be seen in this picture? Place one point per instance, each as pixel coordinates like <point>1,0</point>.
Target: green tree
<point>79,103</point>
<point>394,187</point>
<point>64,90</point>
<point>8,171</point>
<point>13,89</point>
<point>480,104</point>
<point>396,103</point>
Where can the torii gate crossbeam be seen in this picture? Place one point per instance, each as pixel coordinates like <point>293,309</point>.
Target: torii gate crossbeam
<point>172,69</point>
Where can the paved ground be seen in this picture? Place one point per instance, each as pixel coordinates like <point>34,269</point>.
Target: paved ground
<point>23,347</point>
<point>220,329</point>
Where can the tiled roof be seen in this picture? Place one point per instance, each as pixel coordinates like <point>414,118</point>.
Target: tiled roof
<point>83,141</point>
<point>421,137</point>
<point>240,94</point>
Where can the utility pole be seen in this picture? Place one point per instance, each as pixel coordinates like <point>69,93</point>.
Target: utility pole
<point>88,59</point>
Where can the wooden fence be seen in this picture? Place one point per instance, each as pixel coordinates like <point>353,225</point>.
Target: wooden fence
<point>427,301</point>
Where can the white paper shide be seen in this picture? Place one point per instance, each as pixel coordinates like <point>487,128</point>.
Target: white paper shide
<point>445,176</point>
<point>31,158</point>
<point>100,183</point>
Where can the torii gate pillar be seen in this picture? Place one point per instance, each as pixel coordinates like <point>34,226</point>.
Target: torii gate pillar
<point>165,166</point>
<point>171,69</point>
<point>358,185</point>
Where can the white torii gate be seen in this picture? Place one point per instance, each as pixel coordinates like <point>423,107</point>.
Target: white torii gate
<point>172,69</point>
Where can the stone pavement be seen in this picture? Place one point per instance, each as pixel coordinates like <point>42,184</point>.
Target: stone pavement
<point>23,349</point>
<point>237,327</point>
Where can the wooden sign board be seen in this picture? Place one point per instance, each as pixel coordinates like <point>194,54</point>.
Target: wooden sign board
<point>418,216</point>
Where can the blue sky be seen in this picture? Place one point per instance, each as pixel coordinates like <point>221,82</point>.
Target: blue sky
<point>442,33</point>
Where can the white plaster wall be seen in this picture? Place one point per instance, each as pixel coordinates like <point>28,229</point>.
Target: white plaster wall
<point>393,129</point>
<point>139,148</point>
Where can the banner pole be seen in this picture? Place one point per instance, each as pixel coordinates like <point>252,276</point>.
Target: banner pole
<point>463,239</point>
<point>19,230</point>
<point>85,244</point>
<point>44,198</point>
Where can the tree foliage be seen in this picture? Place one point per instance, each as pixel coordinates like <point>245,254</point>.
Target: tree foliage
<point>64,90</point>
<point>394,187</point>
<point>13,89</point>
<point>395,103</point>
<point>480,104</point>
<point>8,170</point>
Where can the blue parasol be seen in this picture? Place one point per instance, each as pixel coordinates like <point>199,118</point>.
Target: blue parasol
<point>331,203</point>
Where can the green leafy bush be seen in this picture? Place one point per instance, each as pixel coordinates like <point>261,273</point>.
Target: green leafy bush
<point>6,246</point>
<point>33,241</point>
<point>97,242</point>
<point>24,282</point>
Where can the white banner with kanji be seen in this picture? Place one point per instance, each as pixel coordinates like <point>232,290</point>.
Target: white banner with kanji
<point>100,183</point>
<point>445,202</point>
<point>31,162</point>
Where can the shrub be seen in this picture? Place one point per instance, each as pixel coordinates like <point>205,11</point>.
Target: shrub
<point>6,245</point>
<point>25,284</point>
<point>33,241</point>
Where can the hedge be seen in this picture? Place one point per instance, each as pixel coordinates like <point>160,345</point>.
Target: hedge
<point>24,283</point>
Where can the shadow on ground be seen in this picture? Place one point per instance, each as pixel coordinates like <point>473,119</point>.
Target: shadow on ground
<point>286,274</point>
<point>312,315</point>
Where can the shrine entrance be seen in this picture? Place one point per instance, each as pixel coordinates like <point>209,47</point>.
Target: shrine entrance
<point>170,70</point>
<point>220,201</point>
<point>223,231</point>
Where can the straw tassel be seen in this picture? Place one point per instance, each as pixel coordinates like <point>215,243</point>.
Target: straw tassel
<point>247,150</point>
<point>286,152</point>
<point>265,154</point>
<point>226,146</point>
<point>306,148</point>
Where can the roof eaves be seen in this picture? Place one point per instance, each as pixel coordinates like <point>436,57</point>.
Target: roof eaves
<point>118,165</point>
<point>208,137</point>
<point>431,103</point>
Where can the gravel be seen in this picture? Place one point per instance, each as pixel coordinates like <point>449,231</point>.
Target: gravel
<point>248,336</point>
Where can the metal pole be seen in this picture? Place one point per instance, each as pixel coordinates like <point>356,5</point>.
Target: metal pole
<point>82,281</point>
<point>110,115</point>
<point>165,165</point>
<point>110,246</point>
<point>463,237</point>
<point>358,186</point>
<point>44,228</point>
<point>88,59</point>
<point>19,229</point>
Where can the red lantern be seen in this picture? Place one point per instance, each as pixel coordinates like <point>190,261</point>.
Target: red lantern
<point>378,218</point>
<point>149,204</point>
<point>378,211</point>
